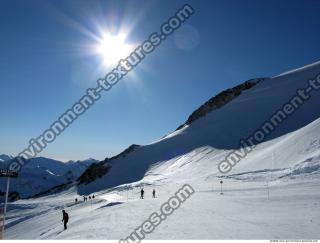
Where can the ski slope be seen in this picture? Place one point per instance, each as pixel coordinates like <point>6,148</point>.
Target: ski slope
<point>242,212</point>
<point>273,193</point>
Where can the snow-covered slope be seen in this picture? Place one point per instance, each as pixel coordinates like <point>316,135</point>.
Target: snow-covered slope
<point>253,206</point>
<point>41,174</point>
<point>221,131</point>
<point>272,193</point>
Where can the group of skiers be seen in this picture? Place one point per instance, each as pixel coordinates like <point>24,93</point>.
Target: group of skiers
<point>65,216</point>
<point>86,198</point>
<point>142,193</point>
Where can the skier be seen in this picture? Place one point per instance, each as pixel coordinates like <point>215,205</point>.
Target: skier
<point>93,197</point>
<point>65,219</point>
<point>89,197</point>
<point>154,193</point>
<point>76,200</point>
<point>142,193</point>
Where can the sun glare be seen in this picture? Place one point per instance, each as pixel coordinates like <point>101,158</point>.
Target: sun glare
<point>112,48</point>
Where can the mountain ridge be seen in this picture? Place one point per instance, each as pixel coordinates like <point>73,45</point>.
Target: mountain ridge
<point>221,128</point>
<point>41,174</point>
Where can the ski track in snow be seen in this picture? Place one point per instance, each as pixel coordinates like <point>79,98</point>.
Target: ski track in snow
<point>242,212</point>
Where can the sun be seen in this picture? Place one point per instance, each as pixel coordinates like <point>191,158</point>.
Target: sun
<point>113,48</point>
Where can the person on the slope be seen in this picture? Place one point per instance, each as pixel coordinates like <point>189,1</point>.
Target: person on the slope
<point>65,219</point>
<point>142,193</point>
<point>154,193</point>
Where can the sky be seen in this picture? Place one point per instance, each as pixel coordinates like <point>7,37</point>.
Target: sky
<point>47,62</point>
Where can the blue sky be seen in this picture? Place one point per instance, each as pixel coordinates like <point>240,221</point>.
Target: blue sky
<point>46,64</point>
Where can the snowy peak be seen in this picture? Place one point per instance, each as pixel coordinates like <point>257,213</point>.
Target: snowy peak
<point>307,68</point>
<point>4,157</point>
<point>86,161</point>
<point>41,174</point>
<point>227,119</point>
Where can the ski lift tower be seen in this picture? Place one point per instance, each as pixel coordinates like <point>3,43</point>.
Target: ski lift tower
<point>8,174</point>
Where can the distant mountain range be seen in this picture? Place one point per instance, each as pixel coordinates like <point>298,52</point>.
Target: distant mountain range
<point>41,174</point>
<point>4,157</point>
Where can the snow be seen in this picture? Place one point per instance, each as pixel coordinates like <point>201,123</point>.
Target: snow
<point>222,129</point>
<point>242,212</point>
<point>273,193</point>
<point>41,174</point>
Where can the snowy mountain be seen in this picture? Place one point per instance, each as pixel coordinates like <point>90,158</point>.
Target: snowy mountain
<point>41,174</point>
<point>4,157</point>
<point>271,193</point>
<point>218,132</point>
<point>86,162</point>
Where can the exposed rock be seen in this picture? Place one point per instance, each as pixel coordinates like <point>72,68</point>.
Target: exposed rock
<point>220,100</point>
<point>124,153</point>
<point>55,189</point>
<point>12,197</point>
<point>94,172</point>
<point>98,170</point>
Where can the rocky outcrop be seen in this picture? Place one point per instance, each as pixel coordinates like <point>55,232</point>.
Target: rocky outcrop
<point>98,170</point>
<point>124,153</point>
<point>53,190</point>
<point>95,171</point>
<point>12,196</point>
<point>220,100</point>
